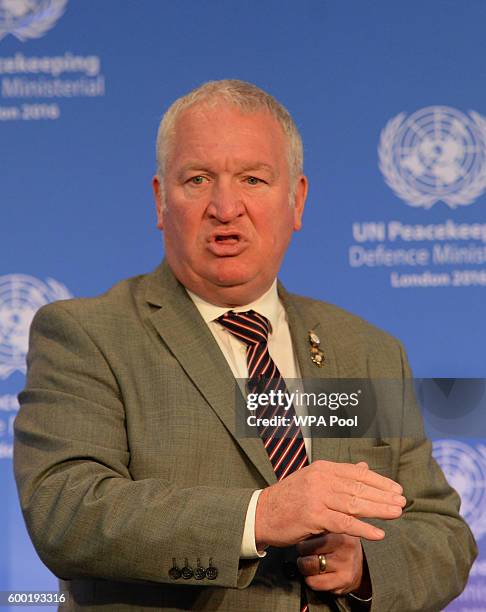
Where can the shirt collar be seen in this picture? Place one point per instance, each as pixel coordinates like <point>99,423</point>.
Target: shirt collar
<point>267,305</point>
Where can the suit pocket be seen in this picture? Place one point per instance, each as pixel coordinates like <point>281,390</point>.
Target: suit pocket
<point>378,458</point>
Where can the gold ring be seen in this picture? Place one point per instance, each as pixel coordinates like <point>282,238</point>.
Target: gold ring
<point>322,563</point>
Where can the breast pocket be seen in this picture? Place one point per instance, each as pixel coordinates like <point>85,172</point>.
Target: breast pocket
<point>379,458</point>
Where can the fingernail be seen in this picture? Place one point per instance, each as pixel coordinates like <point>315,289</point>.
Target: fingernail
<point>399,499</point>
<point>379,532</point>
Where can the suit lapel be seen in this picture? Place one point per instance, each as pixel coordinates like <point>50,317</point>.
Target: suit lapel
<point>302,319</point>
<point>189,339</point>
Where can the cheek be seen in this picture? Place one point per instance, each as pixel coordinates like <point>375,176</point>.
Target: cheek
<point>282,228</point>
<point>181,224</point>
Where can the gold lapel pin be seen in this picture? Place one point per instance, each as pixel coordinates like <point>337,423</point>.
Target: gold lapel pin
<point>317,356</point>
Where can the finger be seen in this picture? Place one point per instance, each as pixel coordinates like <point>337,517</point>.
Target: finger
<point>310,566</point>
<point>364,491</point>
<point>325,543</point>
<point>359,507</point>
<point>336,582</point>
<point>339,522</point>
<point>361,472</point>
<point>356,506</point>
<point>309,546</point>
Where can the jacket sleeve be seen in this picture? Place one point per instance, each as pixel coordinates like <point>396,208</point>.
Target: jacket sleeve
<point>85,514</point>
<point>424,561</point>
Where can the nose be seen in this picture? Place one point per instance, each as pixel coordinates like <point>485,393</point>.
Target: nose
<point>225,204</point>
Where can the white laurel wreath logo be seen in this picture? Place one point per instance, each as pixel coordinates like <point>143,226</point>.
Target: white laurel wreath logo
<point>467,456</point>
<point>410,194</point>
<point>35,24</point>
<point>20,298</point>
<point>57,291</point>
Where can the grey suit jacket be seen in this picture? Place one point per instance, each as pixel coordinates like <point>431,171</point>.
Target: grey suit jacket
<point>126,458</point>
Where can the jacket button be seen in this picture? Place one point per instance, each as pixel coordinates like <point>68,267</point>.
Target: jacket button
<point>187,571</point>
<point>290,570</point>
<point>199,572</point>
<point>174,572</point>
<point>211,571</point>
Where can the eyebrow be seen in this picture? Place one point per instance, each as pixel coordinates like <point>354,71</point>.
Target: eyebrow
<point>196,166</point>
<point>260,166</point>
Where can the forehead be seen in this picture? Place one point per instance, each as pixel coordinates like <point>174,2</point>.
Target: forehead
<point>222,132</point>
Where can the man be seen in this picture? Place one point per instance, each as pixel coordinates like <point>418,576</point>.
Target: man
<point>136,489</point>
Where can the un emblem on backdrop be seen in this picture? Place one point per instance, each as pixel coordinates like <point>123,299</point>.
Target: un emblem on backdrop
<point>20,298</point>
<point>29,18</point>
<point>436,154</point>
<point>465,469</point>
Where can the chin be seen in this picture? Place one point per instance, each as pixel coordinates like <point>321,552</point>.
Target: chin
<point>230,280</point>
<point>239,281</point>
<point>229,272</point>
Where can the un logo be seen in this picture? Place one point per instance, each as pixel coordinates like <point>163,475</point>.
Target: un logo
<point>29,18</point>
<point>20,297</point>
<point>436,154</point>
<point>465,468</point>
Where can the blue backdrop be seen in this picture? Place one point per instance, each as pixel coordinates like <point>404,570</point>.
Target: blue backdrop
<point>389,97</point>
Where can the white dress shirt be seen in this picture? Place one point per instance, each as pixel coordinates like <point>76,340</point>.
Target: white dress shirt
<point>282,352</point>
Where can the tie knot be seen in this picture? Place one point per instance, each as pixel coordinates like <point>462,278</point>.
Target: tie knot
<point>250,327</point>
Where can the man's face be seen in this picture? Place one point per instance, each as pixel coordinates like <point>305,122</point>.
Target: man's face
<point>226,218</point>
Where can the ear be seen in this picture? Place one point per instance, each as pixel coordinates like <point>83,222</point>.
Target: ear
<point>159,201</point>
<point>301,189</point>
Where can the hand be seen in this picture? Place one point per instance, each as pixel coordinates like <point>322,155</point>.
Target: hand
<point>326,497</point>
<point>344,563</point>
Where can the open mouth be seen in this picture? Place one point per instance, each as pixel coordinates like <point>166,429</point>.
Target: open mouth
<point>227,244</point>
<point>227,238</point>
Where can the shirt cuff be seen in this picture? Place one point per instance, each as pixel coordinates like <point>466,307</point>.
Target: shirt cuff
<point>368,600</point>
<point>248,544</point>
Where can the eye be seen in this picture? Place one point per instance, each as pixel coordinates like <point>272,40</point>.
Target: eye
<point>197,180</point>
<point>252,180</point>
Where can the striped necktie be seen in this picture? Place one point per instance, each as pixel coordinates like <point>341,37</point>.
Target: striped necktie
<point>283,443</point>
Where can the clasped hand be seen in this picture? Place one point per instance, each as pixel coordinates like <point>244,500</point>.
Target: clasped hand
<point>327,499</point>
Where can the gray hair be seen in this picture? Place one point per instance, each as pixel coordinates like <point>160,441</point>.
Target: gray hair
<point>248,98</point>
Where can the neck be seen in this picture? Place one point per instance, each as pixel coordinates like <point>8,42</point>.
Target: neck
<point>229,297</point>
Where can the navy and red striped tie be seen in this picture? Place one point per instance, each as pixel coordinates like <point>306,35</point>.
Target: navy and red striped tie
<point>284,443</point>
